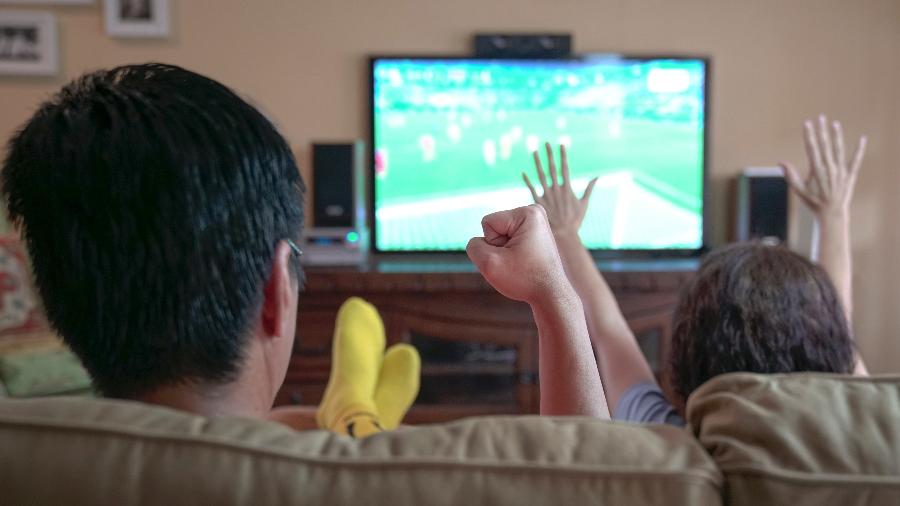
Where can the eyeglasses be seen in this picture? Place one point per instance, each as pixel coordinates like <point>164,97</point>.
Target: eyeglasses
<point>295,249</point>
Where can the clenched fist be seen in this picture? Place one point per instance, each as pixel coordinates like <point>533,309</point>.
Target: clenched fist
<point>518,255</point>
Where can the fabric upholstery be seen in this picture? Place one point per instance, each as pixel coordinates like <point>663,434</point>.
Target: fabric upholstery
<point>20,311</point>
<point>97,451</point>
<point>802,439</point>
<point>54,371</point>
<point>38,340</point>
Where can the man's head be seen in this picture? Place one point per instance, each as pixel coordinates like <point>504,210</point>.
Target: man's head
<point>156,206</point>
<point>757,308</point>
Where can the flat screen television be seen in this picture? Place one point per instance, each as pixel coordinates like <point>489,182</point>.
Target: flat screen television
<point>451,138</point>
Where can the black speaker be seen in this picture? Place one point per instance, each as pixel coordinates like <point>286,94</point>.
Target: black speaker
<point>338,185</point>
<point>523,45</point>
<point>762,205</point>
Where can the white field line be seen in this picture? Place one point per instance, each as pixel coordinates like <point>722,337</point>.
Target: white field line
<point>620,220</point>
<point>476,200</point>
<point>672,192</point>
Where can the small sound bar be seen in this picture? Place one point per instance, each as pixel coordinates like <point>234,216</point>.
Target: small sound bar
<point>523,45</point>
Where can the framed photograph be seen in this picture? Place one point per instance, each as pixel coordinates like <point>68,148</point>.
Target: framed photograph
<point>46,2</point>
<point>137,18</point>
<point>29,43</point>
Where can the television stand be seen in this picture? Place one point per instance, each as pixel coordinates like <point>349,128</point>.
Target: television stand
<point>479,349</point>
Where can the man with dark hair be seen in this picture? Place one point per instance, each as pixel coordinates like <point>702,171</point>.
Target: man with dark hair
<point>160,212</point>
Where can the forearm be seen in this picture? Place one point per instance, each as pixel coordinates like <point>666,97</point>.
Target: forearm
<point>835,257</point>
<point>569,380</point>
<point>621,362</point>
<point>601,309</point>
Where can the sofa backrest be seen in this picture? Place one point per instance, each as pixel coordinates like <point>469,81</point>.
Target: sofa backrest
<point>802,439</point>
<point>96,451</point>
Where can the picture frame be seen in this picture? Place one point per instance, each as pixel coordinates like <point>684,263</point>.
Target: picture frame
<point>142,19</point>
<point>47,2</point>
<point>29,43</point>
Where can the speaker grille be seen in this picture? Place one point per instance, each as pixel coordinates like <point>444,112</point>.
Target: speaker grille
<point>762,207</point>
<point>333,185</point>
<point>768,204</point>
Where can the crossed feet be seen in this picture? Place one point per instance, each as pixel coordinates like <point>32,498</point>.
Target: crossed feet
<point>369,390</point>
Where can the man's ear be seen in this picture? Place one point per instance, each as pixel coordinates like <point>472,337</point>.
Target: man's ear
<point>279,293</point>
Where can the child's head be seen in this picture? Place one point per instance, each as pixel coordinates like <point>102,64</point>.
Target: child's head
<point>757,308</point>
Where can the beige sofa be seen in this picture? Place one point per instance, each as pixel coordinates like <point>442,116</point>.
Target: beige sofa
<point>797,440</point>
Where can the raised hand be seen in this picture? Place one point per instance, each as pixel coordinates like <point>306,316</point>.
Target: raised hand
<point>518,255</point>
<point>564,209</point>
<point>828,190</point>
<point>828,186</point>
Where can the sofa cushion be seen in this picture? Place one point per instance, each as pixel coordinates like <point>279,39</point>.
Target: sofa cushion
<point>98,451</point>
<point>43,371</point>
<point>802,439</point>
<point>20,311</point>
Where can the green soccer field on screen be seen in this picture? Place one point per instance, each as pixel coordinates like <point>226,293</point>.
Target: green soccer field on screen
<point>452,138</point>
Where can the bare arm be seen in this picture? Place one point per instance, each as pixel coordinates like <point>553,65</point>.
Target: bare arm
<point>828,191</point>
<point>622,365</point>
<point>517,256</point>
<point>570,383</point>
<point>835,256</point>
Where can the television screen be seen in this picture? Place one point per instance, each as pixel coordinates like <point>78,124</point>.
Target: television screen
<point>452,137</point>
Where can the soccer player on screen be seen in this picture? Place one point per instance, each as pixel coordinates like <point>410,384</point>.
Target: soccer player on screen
<point>750,308</point>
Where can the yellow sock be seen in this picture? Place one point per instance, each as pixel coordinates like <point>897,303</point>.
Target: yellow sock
<point>348,405</point>
<point>398,384</point>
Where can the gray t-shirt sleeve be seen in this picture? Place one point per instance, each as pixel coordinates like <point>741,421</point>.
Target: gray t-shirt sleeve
<point>645,403</point>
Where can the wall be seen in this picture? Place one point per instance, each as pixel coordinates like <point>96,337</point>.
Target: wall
<point>775,63</point>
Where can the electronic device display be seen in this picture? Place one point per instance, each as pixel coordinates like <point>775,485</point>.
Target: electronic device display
<point>451,138</point>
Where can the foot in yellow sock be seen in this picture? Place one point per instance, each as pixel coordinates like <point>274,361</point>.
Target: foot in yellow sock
<point>398,384</point>
<point>348,406</point>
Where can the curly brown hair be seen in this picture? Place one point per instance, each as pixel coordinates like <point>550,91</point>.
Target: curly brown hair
<point>757,308</point>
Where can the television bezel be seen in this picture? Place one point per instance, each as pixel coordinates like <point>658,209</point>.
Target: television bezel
<point>597,253</point>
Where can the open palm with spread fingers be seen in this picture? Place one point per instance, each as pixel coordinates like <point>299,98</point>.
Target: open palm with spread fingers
<point>622,365</point>
<point>564,209</point>
<point>828,190</point>
<point>828,187</point>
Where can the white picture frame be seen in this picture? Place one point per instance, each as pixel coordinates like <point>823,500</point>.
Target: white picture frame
<point>47,2</point>
<point>29,43</point>
<point>140,19</point>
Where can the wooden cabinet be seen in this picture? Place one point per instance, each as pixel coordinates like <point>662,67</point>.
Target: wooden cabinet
<point>479,349</point>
